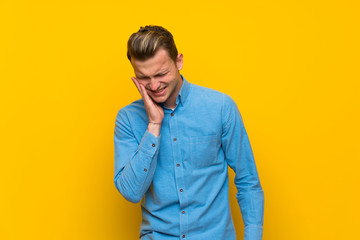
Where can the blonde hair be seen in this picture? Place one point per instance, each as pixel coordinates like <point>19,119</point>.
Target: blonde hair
<point>143,44</point>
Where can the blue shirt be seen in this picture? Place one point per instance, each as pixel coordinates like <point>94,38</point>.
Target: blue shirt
<point>181,176</point>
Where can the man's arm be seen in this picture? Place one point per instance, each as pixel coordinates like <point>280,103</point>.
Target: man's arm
<point>239,156</point>
<point>135,162</point>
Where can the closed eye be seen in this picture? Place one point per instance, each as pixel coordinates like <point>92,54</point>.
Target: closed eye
<point>143,78</point>
<point>147,78</point>
<point>161,74</point>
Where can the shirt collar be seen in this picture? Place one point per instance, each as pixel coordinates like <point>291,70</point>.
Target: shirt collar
<point>184,92</point>
<point>182,95</point>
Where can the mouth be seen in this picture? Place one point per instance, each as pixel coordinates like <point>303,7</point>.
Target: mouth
<point>159,92</point>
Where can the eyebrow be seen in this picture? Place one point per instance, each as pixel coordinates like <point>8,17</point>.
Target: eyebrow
<point>163,72</point>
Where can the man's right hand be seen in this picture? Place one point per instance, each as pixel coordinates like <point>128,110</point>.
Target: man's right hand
<point>154,111</point>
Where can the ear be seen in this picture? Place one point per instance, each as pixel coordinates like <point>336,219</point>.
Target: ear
<point>179,61</point>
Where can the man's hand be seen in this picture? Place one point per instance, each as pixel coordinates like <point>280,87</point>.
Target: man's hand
<point>154,111</point>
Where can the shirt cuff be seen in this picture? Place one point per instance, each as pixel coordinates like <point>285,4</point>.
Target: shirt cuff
<point>149,144</point>
<point>253,232</point>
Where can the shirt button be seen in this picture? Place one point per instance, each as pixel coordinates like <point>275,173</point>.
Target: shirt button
<point>172,114</point>
<point>145,170</point>
<point>174,139</point>
<point>178,165</point>
<point>181,190</point>
<point>183,235</point>
<point>183,212</point>
<point>153,145</point>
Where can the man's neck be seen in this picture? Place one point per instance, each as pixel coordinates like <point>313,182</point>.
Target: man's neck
<point>171,104</point>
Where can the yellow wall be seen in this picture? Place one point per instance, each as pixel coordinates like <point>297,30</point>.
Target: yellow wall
<point>292,67</point>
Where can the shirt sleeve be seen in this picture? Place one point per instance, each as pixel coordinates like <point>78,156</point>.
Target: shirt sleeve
<point>239,156</point>
<point>135,162</point>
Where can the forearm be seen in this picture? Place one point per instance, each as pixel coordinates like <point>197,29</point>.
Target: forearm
<point>250,197</point>
<point>252,210</point>
<point>135,177</point>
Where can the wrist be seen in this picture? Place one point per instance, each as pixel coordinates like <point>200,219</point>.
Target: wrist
<point>156,123</point>
<point>154,128</point>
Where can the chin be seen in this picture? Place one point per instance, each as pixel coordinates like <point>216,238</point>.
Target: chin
<point>159,99</point>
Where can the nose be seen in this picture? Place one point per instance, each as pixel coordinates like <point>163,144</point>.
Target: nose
<point>154,84</point>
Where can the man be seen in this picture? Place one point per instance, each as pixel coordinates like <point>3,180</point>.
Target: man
<point>173,148</point>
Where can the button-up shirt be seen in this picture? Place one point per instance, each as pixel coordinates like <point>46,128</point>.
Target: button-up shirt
<point>181,176</point>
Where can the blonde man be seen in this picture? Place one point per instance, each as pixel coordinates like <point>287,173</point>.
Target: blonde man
<point>173,148</point>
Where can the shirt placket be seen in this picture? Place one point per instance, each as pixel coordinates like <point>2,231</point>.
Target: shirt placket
<point>179,175</point>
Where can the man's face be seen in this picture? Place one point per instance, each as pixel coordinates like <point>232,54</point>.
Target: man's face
<point>160,76</point>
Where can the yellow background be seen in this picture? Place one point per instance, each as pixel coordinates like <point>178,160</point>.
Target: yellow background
<point>291,66</point>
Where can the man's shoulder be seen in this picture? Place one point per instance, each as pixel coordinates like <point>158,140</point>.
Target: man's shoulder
<point>204,94</point>
<point>137,107</point>
<point>205,90</point>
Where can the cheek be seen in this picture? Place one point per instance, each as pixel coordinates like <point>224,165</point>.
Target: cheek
<point>143,82</point>
<point>170,79</point>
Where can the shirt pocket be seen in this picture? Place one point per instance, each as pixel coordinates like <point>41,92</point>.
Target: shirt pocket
<point>203,150</point>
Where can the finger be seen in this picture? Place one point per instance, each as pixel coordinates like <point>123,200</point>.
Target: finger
<point>137,84</point>
<point>145,95</point>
